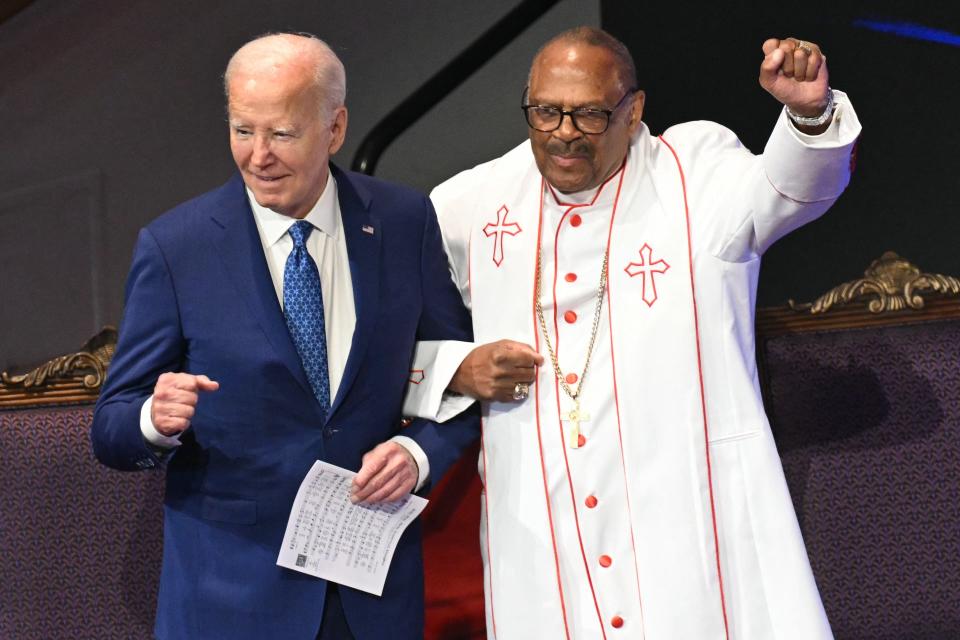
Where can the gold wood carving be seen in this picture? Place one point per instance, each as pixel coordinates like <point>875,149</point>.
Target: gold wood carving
<point>71,378</point>
<point>889,284</point>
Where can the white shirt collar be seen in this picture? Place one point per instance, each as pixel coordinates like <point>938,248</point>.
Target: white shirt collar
<point>601,195</point>
<point>322,216</point>
<point>579,197</point>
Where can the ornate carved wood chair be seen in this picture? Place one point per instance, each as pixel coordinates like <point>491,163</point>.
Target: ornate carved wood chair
<point>863,391</point>
<point>80,544</point>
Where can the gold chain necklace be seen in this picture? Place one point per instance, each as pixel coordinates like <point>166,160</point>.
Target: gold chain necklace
<point>575,417</point>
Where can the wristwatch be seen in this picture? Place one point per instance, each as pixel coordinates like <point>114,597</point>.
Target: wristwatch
<point>815,121</point>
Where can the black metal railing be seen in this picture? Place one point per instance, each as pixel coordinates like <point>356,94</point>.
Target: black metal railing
<point>9,8</point>
<point>446,80</point>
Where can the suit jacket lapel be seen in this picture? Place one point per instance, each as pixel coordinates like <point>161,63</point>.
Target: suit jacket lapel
<point>241,250</point>
<point>362,234</point>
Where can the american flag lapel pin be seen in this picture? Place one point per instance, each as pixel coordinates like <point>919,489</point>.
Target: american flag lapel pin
<point>367,229</point>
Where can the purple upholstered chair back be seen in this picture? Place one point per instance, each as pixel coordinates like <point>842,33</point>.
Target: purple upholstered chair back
<point>80,544</point>
<point>867,420</point>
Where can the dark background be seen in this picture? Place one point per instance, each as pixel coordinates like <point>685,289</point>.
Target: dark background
<point>112,111</point>
<point>702,64</point>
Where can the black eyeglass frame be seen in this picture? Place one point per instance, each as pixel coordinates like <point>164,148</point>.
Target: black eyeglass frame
<point>572,113</point>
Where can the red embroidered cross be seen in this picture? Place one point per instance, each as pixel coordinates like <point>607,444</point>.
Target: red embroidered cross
<point>647,265</point>
<point>498,229</point>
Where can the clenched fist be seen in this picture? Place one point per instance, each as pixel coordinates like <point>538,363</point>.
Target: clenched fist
<point>175,400</point>
<point>795,73</point>
<point>492,371</point>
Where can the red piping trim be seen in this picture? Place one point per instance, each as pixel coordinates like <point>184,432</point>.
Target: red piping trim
<point>595,196</point>
<point>486,473</point>
<point>563,439</point>
<point>486,511</point>
<point>543,466</point>
<point>616,404</point>
<point>703,399</point>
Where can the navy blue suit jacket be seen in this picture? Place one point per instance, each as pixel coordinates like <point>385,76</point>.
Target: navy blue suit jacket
<point>199,299</point>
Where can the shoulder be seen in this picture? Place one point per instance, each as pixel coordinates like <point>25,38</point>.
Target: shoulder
<point>185,220</point>
<point>464,184</point>
<point>700,136</point>
<point>380,196</point>
<point>705,151</point>
<point>402,212</point>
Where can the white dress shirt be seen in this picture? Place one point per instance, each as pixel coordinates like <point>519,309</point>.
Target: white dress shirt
<point>328,248</point>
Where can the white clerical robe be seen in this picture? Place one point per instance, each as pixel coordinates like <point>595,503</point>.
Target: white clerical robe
<point>670,519</point>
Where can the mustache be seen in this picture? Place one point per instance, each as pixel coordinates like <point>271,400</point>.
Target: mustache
<point>574,148</point>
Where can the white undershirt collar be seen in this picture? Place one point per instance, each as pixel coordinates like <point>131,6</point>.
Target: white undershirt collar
<point>323,215</point>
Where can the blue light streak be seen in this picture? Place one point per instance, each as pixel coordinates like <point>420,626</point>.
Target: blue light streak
<point>910,30</point>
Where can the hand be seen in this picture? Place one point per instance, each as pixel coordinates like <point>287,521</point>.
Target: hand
<point>795,73</point>
<point>388,473</point>
<point>175,400</point>
<point>491,371</point>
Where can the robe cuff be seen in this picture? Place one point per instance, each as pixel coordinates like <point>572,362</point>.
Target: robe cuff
<point>153,437</point>
<point>423,465</point>
<point>812,168</point>
<point>434,364</point>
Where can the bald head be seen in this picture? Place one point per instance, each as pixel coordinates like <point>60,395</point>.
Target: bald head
<point>623,66</point>
<point>291,55</point>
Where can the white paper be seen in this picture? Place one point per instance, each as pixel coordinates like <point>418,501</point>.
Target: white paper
<point>330,537</point>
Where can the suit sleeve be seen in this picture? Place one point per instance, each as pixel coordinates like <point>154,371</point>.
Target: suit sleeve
<point>443,317</point>
<point>150,344</point>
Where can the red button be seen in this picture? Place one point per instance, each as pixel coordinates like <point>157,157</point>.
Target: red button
<point>616,622</point>
<point>570,317</point>
<point>571,378</point>
<point>570,277</point>
<point>591,502</point>
<point>581,440</point>
<point>605,561</point>
<point>575,220</point>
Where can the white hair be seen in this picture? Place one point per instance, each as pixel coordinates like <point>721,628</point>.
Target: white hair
<point>329,76</point>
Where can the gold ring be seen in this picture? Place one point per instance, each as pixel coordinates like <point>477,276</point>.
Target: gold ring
<point>804,46</point>
<point>520,390</point>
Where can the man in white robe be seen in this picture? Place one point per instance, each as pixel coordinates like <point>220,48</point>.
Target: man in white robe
<point>632,488</point>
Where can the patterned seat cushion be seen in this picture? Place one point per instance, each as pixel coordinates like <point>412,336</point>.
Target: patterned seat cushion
<point>867,422</point>
<point>80,544</point>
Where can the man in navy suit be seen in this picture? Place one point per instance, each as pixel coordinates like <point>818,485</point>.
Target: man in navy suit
<point>270,323</point>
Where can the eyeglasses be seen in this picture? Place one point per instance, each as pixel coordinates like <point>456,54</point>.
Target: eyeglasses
<point>548,118</point>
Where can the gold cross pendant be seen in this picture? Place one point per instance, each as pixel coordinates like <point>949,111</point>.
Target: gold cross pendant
<point>575,417</point>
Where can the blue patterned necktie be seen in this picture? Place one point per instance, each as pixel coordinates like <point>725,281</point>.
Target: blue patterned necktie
<point>303,310</point>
